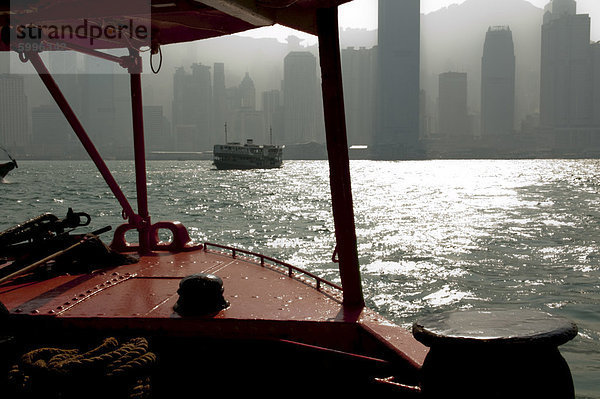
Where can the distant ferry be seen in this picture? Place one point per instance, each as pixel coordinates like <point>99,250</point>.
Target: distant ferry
<point>247,156</point>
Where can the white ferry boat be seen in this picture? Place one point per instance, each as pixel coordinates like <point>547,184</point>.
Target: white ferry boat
<point>247,156</point>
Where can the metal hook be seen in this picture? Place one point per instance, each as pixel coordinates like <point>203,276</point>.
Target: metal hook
<point>160,59</point>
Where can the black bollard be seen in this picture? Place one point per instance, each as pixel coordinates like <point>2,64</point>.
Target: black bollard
<point>200,294</point>
<point>495,354</point>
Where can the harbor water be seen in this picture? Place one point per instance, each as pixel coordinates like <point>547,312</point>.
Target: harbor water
<point>432,235</point>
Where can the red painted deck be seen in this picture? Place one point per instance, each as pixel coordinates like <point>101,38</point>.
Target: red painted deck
<point>265,303</point>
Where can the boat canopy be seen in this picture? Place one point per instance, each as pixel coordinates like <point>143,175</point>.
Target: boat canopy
<point>168,21</point>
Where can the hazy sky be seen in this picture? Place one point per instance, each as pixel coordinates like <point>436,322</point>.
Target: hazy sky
<point>363,14</point>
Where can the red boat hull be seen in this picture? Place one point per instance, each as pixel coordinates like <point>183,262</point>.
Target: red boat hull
<point>279,321</point>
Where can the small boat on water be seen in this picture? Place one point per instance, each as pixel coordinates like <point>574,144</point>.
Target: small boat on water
<point>247,156</point>
<point>7,167</point>
<point>177,318</point>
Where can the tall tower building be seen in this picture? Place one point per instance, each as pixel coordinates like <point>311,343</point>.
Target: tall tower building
<point>182,112</point>
<point>156,139</point>
<point>498,83</point>
<point>192,108</point>
<point>14,129</point>
<point>453,118</point>
<point>248,123</point>
<point>556,8</point>
<point>359,71</point>
<point>273,115</point>
<point>98,110</point>
<point>300,97</point>
<point>596,84</point>
<point>398,76</point>
<point>566,67</point>
<point>248,93</point>
<point>201,87</point>
<point>4,62</point>
<point>219,103</point>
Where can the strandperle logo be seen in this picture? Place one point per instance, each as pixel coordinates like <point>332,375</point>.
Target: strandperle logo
<point>88,31</point>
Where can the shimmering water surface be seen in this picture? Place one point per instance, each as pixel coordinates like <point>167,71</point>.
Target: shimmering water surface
<point>432,235</point>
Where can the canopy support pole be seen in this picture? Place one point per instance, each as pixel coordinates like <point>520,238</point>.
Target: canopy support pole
<point>141,220</point>
<point>337,150</point>
<point>67,111</point>
<point>137,114</point>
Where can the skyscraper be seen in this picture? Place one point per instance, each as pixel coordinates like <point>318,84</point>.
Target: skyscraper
<point>453,118</point>
<point>498,83</point>
<point>561,7</point>
<point>182,110</point>
<point>566,67</point>
<point>201,86</point>
<point>193,108</point>
<point>596,80</point>
<point>398,76</point>
<point>273,115</point>
<point>248,93</point>
<point>248,123</point>
<point>300,95</point>
<point>219,102</point>
<point>13,112</point>
<point>98,108</point>
<point>156,139</point>
<point>359,71</point>
<point>4,62</point>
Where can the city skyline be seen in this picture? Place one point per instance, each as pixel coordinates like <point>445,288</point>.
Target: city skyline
<point>360,67</point>
<point>362,14</point>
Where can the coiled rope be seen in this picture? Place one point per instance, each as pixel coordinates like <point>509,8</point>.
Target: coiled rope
<point>121,371</point>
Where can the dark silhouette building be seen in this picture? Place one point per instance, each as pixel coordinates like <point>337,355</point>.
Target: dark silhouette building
<point>4,62</point>
<point>566,67</point>
<point>202,89</point>
<point>300,95</point>
<point>156,137</point>
<point>570,81</point>
<point>273,115</point>
<point>14,131</point>
<point>193,108</point>
<point>596,80</point>
<point>182,110</point>
<point>247,93</point>
<point>359,70</point>
<point>397,131</point>
<point>219,103</point>
<point>498,83</point>
<point>97,102</point>
<point>453,117</point>
<point>247,122</point>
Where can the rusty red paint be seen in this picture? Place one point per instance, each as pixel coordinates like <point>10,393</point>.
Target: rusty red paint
<point>264,301</point>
